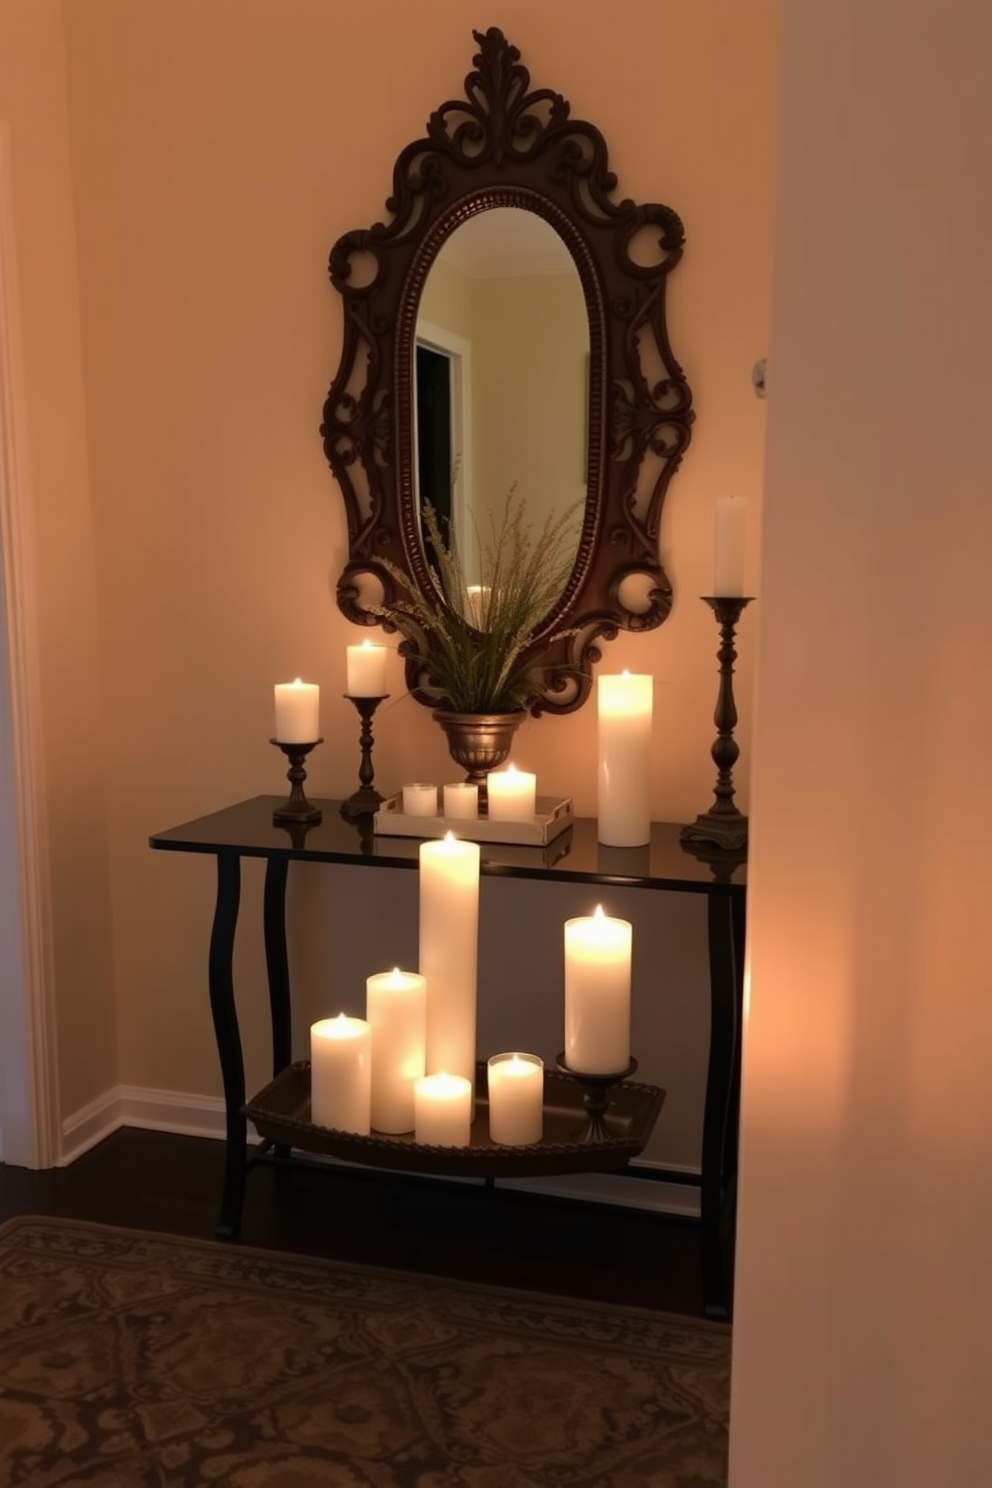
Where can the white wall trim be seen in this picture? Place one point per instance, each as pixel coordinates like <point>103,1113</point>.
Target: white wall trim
<point>152,1110</point>
<point>29,1114</point>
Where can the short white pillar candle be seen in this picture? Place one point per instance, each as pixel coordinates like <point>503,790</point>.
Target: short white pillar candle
<point>512,794</point>
<point>366,670</point>
<point>624,709</point>
<point>419,799</point>
<point>597,993</point>
<point>449,951</point>
<point>516,1099</point>
<point>396,1009</point>
<point>340,1074</point>
<point>728,557</point>
<point>461,801</point>
<point>443,1109</point>
<point>297,712</point>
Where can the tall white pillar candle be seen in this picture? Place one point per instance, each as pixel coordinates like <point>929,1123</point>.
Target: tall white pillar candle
<point>449,950</point>
<point>512,794</point>
<point>516,1099</point>
<point>297,712</point>
<point>597,993</point>
<point>366,670</point>
<point>443,1105</point>
<point>419,799</point>
<point>396,1009</point>
<point>728,560</point>
<point>624,707</point>
<point>461,800</point>
<point>340,1074</point>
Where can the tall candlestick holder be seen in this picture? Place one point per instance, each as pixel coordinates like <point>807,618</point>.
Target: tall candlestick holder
<point>723,824</point>
<point>596,1100</point>
<point>296,810</point>
<point>366,799</point>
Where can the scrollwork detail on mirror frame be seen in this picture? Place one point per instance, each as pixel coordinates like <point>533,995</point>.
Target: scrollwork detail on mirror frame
<point>508,145</point>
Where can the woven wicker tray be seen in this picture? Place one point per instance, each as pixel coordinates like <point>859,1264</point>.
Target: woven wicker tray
<point>281,1114</point>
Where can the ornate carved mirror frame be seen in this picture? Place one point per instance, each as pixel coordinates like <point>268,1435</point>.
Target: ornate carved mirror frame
<point>506,145</point>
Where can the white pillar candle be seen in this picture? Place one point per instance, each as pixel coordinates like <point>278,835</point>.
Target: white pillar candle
<point>597,993</point>
<point>624,705</point>
<point>461,801</point>
<point>443,1108</point>
<point>297,712</point>
<point>340,1074</point>
<point>367,670</point>
<point>516,1099</point>
<point>419,799</point>
<point>728,561</point>
<point>512,794</point>
<point>396,1009</point>
<point>449,949</point>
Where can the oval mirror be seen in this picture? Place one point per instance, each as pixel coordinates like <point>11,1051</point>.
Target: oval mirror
<point>500,380</point>
<point>585,406</point>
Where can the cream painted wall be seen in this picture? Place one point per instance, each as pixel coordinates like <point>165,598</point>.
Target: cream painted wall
<point>217,152</point>
<point>863,1321</point>
<point>75,739</point>
<point>532,335</point>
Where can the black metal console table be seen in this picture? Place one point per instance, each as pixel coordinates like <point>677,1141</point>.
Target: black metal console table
<point>246,830</point>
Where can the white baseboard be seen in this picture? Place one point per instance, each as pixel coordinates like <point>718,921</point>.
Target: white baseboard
<point>153,1110</point>
<point>203,1116</point>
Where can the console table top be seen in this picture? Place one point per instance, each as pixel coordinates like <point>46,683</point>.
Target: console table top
<point>247,830</point>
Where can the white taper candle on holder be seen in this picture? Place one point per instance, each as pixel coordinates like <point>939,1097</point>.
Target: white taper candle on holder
<point>449,951</point>
<point>366,670</point>
<point>396,1010</point>
<point>624,708</point>
<point>297,712</point>
<point>341,1074</point>
<point>597,993</point>
<point>728,557</point>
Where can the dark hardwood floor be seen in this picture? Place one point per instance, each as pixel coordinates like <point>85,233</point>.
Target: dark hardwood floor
<point>156,1181</point>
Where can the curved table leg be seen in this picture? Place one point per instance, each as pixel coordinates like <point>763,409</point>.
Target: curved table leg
<point>228,1036</point>
<point>725,915</point>
<point>277,962</point>
<point>277,968</point>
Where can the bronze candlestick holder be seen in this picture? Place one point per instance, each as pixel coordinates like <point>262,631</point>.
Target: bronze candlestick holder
<point>723,824</point>
<point>596,1100</point>
<point>296,810</point>
<point>366,800</point>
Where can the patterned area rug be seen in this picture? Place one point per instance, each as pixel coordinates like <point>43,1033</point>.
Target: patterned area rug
<point>130,1359</point>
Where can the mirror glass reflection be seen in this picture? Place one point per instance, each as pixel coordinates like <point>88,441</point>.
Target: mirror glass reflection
<point>501,378</point>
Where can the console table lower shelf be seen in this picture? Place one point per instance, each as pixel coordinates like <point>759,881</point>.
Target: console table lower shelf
<point>281,1115</point>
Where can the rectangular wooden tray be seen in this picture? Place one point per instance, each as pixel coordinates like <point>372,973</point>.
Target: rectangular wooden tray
<point>552,816</point>
<point>281,1114</point>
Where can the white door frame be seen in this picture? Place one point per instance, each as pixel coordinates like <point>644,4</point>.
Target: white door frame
<point>29,1110</point>
<point>459,353</point>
